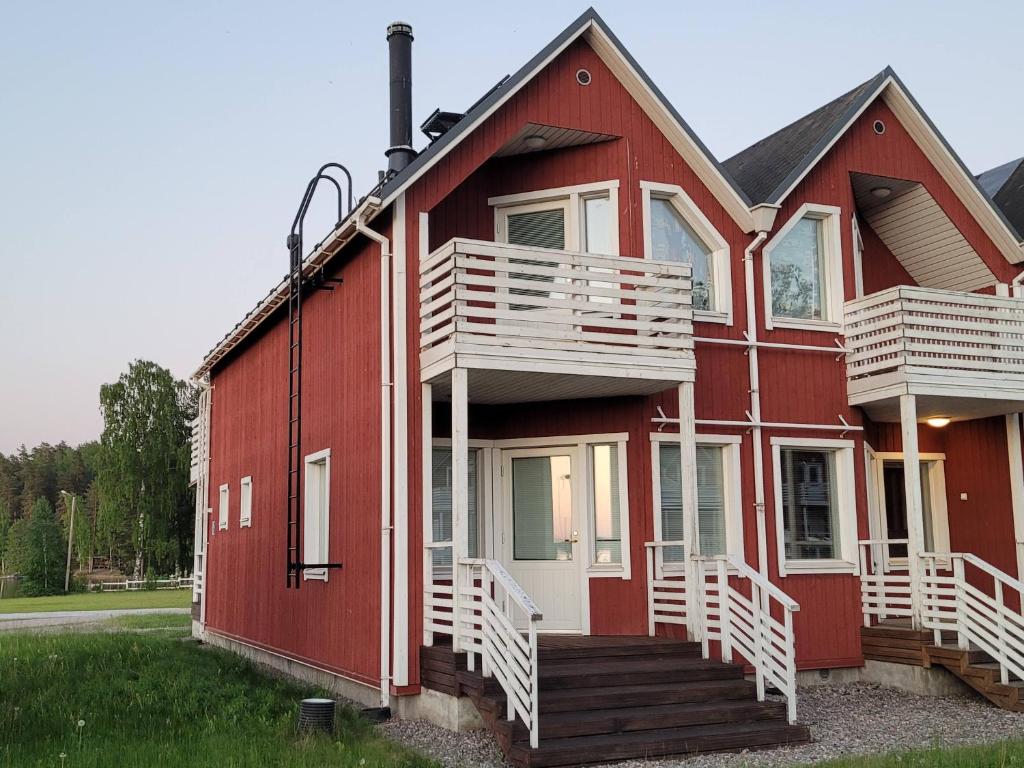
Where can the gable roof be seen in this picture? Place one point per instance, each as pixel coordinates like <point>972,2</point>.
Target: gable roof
<point>588,26</point>
<point>791,153</point>
<point>766,169</point>
<point>1005,185</point>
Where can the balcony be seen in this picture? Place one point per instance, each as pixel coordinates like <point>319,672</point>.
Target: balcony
<point>537,324</point>
<point>961,354</point>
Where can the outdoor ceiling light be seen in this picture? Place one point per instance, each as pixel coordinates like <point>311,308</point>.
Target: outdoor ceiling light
<point>881,192</point>
<point>535,142</point>
<point>938,421</point>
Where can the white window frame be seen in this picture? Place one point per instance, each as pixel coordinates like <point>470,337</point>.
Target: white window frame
<point>858,259</point>
<point>245,502</point>
<point>733,491</point>
<point>878,523</point>
<point>602,570</point>
<point>832,322</point>
<point>223,505</point>
<point>694,216</point>
<point>484,493</point>
<point>571,198</point>
<point>846,498</point>
<point>319,458</point>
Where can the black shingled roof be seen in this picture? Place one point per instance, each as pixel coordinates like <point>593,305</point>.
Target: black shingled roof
<point>1005,186</point>
<point>768,168</point>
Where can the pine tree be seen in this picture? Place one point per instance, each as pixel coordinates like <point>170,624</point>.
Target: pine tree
<point>38,551</point>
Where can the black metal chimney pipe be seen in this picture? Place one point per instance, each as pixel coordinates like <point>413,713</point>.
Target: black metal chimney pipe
<point>400,153</point>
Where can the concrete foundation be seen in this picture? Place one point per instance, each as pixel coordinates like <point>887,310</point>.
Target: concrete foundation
<point>455,714</point>
<point>924,682</point>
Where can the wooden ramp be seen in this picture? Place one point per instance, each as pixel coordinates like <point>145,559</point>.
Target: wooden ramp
<point>616,698</point>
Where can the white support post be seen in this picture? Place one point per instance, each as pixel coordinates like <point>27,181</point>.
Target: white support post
<point>460,496</point>
<point>757,602</point>
<point>915,508</point>
<point>650,591</point>
<point>427,501</point>
<point>959,584</point>
<point>724,610</point>
<point>1013,448</point>
<point>688,477</point>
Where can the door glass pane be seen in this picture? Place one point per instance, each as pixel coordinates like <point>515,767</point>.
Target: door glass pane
<point>604,460</point>
<point>539,229</point>
<point>711,500</point>
<point>895,491</point>
<point>673,239</point>
<point>798,269</point>
<point>597,228</point>
<point>810,507</point>
<point>441,505</point>
<point>542,508</point>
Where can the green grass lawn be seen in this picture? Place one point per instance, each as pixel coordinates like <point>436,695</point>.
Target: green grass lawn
<point>98,601</point>
<point>1000,755</point>
<point>181,621</point>
<point>151,700</point>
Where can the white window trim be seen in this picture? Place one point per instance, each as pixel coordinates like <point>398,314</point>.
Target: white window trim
<point>858,259</point>
<point>244,515</point>
<point>603,570</point>
<point>733,488</point>
<point>846,498</point>
<point>484,480</point>
<point>324,456</point>
<point>223,507</point>
<point>694,216</point>
<point>937,493</point>
<point>830,215</point>
<point>572,199</point>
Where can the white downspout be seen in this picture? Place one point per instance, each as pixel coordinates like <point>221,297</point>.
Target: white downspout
<point>385,456</point>
<point>755,402</point>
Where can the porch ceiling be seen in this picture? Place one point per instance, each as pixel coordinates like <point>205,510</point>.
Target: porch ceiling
<point>919,234</point>
<point>503,386</point>
<point>953,408</point>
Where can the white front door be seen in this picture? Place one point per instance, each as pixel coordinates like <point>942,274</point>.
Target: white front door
<point>541,531</point>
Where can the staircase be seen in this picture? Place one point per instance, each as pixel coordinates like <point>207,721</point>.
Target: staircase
<point>980,672</point>
<point>615,698</point>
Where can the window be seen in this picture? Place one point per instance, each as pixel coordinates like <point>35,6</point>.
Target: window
<point>815,504</point>
<point>245,503</point>
<point>317,514</point>
<point>608,500</point>
<point>441,506</point>
<point>675,229</point>
<point>719,523</point>
<point>803,265</point>
<point>222,508</point>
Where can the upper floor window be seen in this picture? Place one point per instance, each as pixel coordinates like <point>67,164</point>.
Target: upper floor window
<point>675,229</point>
<point>804,271</point>
<point>317,514</point>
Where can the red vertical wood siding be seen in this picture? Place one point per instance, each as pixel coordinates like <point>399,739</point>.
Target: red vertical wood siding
<point>334,625</point>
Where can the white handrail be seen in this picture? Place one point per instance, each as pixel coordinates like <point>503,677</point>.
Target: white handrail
<point>747,625</point>
<point>669,600</point>
<point>885,588</point>
<point>979,618</point>
<point>494,612</point>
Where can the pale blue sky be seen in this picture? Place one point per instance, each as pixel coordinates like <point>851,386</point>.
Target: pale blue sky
<point>152,154</point>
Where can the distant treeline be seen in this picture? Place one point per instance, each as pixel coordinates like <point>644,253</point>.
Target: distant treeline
<point>133,506</point>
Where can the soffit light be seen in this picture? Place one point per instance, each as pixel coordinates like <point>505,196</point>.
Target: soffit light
<point>881,192</point>
<point>535,142</point>
<point>938,421</point>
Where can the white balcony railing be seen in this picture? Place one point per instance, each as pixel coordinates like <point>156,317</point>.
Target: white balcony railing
<point>498,306</point>
<point>938,336</point>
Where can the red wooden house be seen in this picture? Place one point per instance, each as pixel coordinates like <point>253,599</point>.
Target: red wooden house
<point>576,425</point>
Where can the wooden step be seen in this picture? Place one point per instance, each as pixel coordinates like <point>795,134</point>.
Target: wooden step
<point>625,719</point>
<point>633,671</point>
<point>626,647</point>
<point>629,696</point>
<point>655,743</point>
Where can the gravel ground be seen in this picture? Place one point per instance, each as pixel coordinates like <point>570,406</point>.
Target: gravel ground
<point>857,719</point>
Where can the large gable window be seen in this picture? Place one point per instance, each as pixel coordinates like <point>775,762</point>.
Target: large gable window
<point>676,230</point>
<point>803,266</point>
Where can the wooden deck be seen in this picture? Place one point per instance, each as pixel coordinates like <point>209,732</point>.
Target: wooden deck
<point>616,698</point>
<point>895,642</point>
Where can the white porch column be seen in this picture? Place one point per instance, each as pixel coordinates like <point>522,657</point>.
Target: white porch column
<point>1013,448</point>
<point>688,478</point>
<point>915,509</point>
<point>427,497</point>
<point>460,492</point>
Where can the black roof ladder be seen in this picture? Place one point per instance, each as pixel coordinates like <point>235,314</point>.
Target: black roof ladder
<point>298,281</point>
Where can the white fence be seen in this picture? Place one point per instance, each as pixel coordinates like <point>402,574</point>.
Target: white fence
<point>885,589</point>
<point>185,582</point>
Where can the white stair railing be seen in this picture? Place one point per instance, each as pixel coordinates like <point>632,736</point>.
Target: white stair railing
<point>495,612</point>
<point>668,599</point>
<point>885,590</point>
<point>953,602</point>
<point>748,625</point>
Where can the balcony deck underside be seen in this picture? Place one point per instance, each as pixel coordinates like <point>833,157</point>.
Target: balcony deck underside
<point>958,395</point>
<point>494,378</point>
